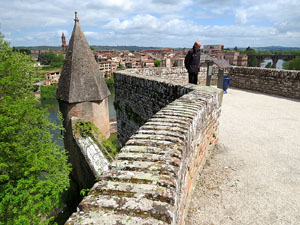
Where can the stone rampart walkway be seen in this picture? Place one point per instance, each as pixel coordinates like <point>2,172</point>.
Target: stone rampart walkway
<point>254,175</point>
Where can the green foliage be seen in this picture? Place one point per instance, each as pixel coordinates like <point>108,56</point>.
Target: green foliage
<point>269,65</point>
<point>92,48</point>
<point>131,115</point>
<point>40,76</point>
<point>48,68</point>
<point>121,67</point>
<point>111,144</point>
<point>117,105</point>
<point>252,51</point>
<point>110,82</point>
<point>293,64</point>
<point>108,146</point>
<point>48,91</point>
<point>85,191</point>
<point>33,169</point>
<point>157,63</point>
<point>22,50</point>
<point>253,62</point>
<point>52,59</point>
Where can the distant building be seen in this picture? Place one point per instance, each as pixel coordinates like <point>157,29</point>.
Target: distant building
<point>105,68</point>
<point>237,59</point>
<point>148,63</point>
<point>213,49</point>
<point>166,62</point>
<point>52,77</point>
<point>63,42</point>
<point>173,62</point>
<point>232,57</point>
<point>35,54</point>
<point>242,60</point>
<point>177,62</point>
<point>133,63</point>
<point>103,52</point>
<point>159,52</point>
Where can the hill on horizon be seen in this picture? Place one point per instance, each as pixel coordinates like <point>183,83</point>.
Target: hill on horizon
<point>138,48</point>
<point>271,48</point>
<point>97,47</point>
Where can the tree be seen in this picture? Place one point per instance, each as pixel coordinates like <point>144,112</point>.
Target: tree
<point>52,59</point>
<point>121,66</point>
<point>33,169</point>
<point>22,50</point>
<point>253,62</point>
<point>57,60</point>
<point>157,63</point>
<point>293,64</point>
<point>250,51</point>
<point>269,65</point>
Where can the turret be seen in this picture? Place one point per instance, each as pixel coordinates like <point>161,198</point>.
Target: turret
<point>82,91</point>
<point>82,95</point>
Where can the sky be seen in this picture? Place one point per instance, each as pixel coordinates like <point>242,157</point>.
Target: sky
<point>155,23</point>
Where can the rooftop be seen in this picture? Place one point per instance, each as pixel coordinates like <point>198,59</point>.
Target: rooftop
<point>81,79</point>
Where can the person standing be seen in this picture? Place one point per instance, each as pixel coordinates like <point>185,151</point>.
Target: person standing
<point>192,62</point>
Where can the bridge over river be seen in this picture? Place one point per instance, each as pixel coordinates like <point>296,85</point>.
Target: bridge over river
<point>274,58</point>
<point>253,177</point>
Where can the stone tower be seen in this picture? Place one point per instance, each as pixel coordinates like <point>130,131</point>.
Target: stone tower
<point>82,91</point>
<point>63,42</point>
<point>82,94</point>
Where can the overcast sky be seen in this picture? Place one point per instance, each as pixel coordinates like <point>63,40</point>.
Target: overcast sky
<point>159,23</point>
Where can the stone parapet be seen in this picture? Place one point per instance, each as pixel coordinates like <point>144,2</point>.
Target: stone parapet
<point>151,180</point>
<point>139,95</point>
<point>271,81</point>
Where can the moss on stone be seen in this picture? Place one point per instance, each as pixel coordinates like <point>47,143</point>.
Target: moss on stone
<point>131,115</point>
<point>117,105</point>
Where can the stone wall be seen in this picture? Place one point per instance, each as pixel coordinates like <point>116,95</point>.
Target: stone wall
<point>81,176</point>
<point>137,99</point>
<point>151,180</point>
<point>271,81</point>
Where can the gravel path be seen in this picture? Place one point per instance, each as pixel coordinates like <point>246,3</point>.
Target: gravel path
<point>253,176</point>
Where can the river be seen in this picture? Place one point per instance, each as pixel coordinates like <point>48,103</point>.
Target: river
<point>278,66</point>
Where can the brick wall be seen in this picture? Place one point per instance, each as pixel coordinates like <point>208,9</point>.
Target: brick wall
<point>271,81</point>
<point>152,178</point>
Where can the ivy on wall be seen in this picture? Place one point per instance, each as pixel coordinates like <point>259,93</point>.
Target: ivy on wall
<point>108,146</point>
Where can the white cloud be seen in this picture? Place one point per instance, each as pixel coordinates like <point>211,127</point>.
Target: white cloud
<point>241,17</point>
<point>171,23</point>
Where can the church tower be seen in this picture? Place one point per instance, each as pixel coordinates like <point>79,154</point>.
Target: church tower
<point>63,42</point>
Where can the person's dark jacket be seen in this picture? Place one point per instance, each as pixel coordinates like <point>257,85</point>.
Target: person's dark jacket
<point>192,61</point>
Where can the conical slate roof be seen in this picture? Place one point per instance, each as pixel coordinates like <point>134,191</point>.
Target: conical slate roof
<point>81,79</point>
